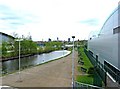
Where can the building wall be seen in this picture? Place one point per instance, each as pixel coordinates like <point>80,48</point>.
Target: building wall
<point>119,39</point>
<point>0,38</point>
<point>0,54</point>
<point>119,51</point>
<point>106,45</point>
<point>5,38</point>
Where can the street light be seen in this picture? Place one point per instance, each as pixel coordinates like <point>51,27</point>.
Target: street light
<point>19,40</point>
<point>73,63</point>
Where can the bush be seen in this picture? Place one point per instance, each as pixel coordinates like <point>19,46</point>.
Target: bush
<point>88,79</point>
<point>91,70</point>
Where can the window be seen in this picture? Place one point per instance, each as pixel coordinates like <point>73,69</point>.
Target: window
<point>116,30</point>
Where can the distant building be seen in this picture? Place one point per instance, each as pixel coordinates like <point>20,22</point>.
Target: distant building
<point>57,39</point>
<point>5,37</point>
<point>68,39</point>
<point>49,40</point>
<point>40,43</point>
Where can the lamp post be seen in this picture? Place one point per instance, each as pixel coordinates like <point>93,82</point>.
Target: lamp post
<point>73,63</point>
<point>19,40</point>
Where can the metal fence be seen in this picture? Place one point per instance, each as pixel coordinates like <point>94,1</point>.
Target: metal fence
<point>78,85</point>
<point>102,69</point>
<point>98,67</point>
<point>112,71</point>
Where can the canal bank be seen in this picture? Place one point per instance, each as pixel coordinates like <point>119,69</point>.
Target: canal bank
<point>22,56</point>
<point>16,57</point>
<point>53,74</point>
<point>11,66</point>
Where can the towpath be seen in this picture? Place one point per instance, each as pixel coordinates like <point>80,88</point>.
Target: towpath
<point>57,73</point>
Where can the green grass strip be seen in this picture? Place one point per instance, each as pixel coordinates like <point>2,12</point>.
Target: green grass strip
<point>87,63</point>
<point>88,79</point>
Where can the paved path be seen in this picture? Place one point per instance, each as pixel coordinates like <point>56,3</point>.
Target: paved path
<point>53,74</point>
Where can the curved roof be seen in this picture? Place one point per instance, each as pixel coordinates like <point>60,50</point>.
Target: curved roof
<point>110,16</point>
<point>7,35</point>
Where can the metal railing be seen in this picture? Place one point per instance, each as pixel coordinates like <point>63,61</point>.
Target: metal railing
<point>97,65</point>
<point>78,85</point>
<point>102,69</point>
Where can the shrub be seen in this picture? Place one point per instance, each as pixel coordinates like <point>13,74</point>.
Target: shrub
<point>91,70</point>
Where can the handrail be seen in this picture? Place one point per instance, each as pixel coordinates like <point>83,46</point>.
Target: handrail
<point>88,85</point>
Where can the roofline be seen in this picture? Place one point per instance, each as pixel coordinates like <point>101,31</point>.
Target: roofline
<point>7,35</point>
<point>118,7</point>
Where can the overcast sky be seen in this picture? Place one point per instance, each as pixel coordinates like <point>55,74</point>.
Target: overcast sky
<point>45,19</point>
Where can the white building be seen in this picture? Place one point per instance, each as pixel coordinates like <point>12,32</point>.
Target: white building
<point>106,45</point>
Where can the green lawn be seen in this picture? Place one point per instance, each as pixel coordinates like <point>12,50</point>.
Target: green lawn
<point>88,79</point>
<point>78,68</point>
<point>85,78</point>
<point>88,76</point>
<point>87,63</point>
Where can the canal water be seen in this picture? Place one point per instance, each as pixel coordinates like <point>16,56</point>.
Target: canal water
<point>11,66</point>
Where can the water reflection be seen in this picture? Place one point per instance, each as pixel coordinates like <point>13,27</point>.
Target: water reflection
<point>12,65</point>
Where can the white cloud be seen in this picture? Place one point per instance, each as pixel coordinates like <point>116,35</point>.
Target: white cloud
<point>59,18</point>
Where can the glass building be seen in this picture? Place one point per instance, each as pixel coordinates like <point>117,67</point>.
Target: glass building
<point>106,45</point>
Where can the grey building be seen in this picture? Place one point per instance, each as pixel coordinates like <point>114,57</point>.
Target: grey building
<point>106,45</point>
<point>5,37</point>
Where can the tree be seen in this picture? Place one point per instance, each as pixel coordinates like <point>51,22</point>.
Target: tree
<point>0,50</point>
<point>15,35</point>
<point>4,49</point>
<point>28,47</point>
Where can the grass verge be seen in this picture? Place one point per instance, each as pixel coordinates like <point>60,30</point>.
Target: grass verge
<point>88,79</point>
<point>87,63</point>
<point>84,77</point>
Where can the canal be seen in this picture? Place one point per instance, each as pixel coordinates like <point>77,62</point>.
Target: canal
<point>11,66</point>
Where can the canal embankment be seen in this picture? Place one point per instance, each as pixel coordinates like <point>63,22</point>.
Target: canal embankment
<point>53,74</point>
<point>12,66</point>
<point>16,57</point>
